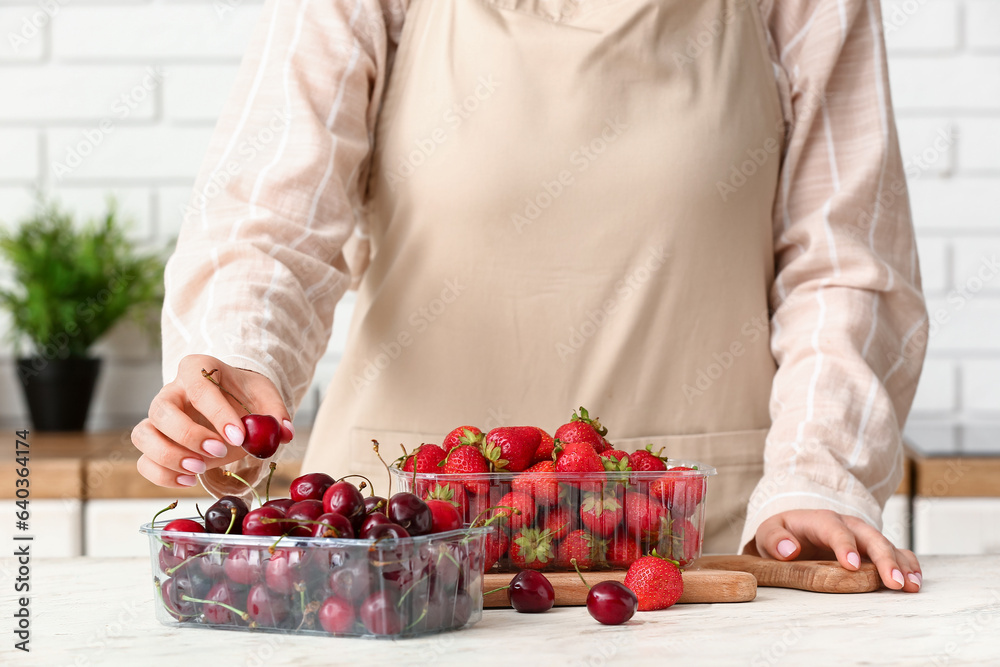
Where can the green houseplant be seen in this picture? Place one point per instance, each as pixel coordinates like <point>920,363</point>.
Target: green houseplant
<point>71,284</point>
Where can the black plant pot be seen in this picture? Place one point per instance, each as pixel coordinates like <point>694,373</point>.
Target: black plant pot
<point>58,391</point>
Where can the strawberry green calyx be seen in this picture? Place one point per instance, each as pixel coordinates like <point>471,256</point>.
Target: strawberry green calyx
<point>658,453</point>
<point>594,502</point>
<point>443,492</point>
<point>493,456</point>
<point>584,417</point>
<point>470,438</point>
<point>611,464</point>
<point>557,448</point>
<point>675,563</point>
<point>534,545</point>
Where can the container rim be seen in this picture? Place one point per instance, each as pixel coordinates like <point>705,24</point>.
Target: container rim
<point>287,541</point>
<point>700,470</point>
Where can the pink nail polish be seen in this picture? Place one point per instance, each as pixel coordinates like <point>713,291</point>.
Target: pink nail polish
<point>854,559</point>
<point>897,576</point>
<point>786,548</point>
<point>197,466</point>
<point>186,480</point>
<point>914,579</point>
<point>234,434</point>
<point>215,448</point>
<point>287,424</point>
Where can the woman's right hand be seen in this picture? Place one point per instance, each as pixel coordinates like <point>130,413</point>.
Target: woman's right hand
<point>193,425</point>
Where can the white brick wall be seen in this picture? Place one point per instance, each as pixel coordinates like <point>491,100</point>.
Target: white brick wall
<point>64,75</point>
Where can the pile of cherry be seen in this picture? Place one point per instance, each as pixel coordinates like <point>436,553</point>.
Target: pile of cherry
<point>386,585</point>
<point>571,496</point>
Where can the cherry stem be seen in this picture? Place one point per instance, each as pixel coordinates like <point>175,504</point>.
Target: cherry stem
<point>336,533</point>
<point>577,568</point>
<point>242,614</point>
<point>232,519</point>
<point>208,375</point>
<point>362,485</point>
<point>497,590</point>
<point>187,560</point>
<point>198,510</point>
<point>387,472</point>
<point>230,473</point>
<point>163,601</point>
<point>377,507</point>
<point>475,522</point>
<point>169,507</point>
<point>270,474</point>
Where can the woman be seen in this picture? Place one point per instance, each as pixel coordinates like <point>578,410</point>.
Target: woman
<point>690,217</point>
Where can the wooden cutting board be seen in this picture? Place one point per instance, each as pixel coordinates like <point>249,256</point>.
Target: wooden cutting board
<point>821,576</point>
<point>700,586</point>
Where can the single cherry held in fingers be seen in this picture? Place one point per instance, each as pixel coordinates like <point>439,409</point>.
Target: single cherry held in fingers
<point>263,431</point>
<point>530,592</point>
<point>609,602</point>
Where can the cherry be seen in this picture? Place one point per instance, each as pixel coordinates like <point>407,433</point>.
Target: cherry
<point>265,607</point>
<point>530,592</point>
<point>350,581</point>
<point>219,515</point>
<point>444,516</point>
<point>283,504</point>
<point>212,564</point>
<point>304,510</point>
<point>611,602</point>
<point>332,524</point>
<point>176,550</point>
<point>372,520</point>
<point>254,525</point>
<point>284,569</point>
<point>387,530</point>
<point>263,435</point>
<point>336,615</point>
<point>411,513</point>
<point>221,594</point>
<point>461,611</point>
<point>244,565</point>
<point>184,526</point>
<point>344,498</point>
<point>174,590</point>
<point>380,613</point>
<point>310,486</point>
<point>375,504</point>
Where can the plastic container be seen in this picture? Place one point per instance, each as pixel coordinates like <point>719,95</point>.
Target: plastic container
<point>604,520</point>
<point>394,588</point>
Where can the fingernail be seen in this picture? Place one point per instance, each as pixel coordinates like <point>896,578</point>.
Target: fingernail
<point>854,559</point>
<point>215,448</point>
<point>234,434</point>
<point>186,480</point>
<point>897,576</point>
<point>786,548</point>
<point>288,425</point>
<point>914,579</point>
<point>197,466</point>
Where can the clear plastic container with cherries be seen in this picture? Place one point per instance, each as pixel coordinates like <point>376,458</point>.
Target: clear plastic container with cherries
<point>389,587</point>
<point>605,520</point>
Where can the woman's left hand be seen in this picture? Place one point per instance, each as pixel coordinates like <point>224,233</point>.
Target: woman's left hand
<point>818,534</point>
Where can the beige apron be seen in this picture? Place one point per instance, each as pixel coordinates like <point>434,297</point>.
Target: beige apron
<point>548,230</point>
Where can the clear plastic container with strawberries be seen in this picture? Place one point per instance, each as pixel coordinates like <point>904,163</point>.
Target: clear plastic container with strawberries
<point>555,499</point>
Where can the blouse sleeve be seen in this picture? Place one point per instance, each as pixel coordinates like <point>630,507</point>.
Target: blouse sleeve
<point>260,262</point>
<point>849,324</point>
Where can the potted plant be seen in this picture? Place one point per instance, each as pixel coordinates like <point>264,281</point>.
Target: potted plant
<point>71,284</point>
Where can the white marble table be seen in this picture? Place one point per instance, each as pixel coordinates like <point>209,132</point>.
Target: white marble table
<point>100,612</point>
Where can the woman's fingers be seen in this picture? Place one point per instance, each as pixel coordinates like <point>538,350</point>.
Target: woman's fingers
<point>167,417</point>
<point>803,532</point>
<point>776,541</point>
<point>208,399</point>
<point>892,567</point>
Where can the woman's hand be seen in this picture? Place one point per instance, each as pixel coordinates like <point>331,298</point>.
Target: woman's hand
<point>818,534</point>
<point>193,425</point>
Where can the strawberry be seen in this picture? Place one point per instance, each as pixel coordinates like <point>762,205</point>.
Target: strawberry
<point>539,482</point>
<point>511,448</point>
<point>584,547</point>
<point>559,522</point>
<point>615,460</point>
<point>463,435</point>
<point>519,509</point>
<point>601,513</point>
<point>544,451</point>
<point>467,460</point>
<point>496,544</point>
<point>531,549</point>
<point>684,541</point>
<point>426,458</point>
<point>623,551</point>
<point>679,492</point>
<point>577,457</point>
<point>583,429</point>
<point>645,459</point>
<point>655,581</point>
<point>643,516</point>
<point>451,492</point>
